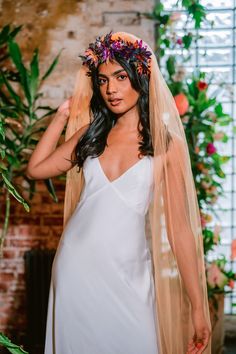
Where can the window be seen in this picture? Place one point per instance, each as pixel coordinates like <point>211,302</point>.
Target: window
<point>216,53</point>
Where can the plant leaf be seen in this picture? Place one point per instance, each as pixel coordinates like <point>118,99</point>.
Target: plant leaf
<point>15,31</point>
<point>14,192</point>
<point>15,54</point>
<point>52,66</point>
<point>13,94</point>
<point>170,65</point>
<point>34,75</point>
<point>13,348</point>
<point>50,187</point>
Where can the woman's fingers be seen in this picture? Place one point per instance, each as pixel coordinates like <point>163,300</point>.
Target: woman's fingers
<point>191,347</point>
<point>198,345</point>
<point>65,106</point>
<point>205,340</point>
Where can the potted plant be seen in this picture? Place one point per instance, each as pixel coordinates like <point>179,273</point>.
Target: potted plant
<point>22,118</point>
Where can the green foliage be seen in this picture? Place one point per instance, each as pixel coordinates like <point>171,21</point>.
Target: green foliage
<point>170,65</point>
<point>13,348</point>
<point>166,37</point>
<point>21,118</point>
<point>203,116</point>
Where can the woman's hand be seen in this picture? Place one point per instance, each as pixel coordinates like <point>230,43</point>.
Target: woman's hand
<point>63,111</point>
<point>202,333</point>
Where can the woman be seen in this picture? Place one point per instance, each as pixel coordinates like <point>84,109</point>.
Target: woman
<point>110,292</point>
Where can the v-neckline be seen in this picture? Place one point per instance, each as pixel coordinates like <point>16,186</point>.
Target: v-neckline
<point>122,175</point>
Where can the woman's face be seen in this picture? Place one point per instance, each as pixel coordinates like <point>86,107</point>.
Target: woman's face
<point>115,87</point>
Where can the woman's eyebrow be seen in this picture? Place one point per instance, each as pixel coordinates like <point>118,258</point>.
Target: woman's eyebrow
<point>113,74</point>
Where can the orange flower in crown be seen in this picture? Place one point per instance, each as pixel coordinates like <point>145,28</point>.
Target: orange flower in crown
<point>103,50</point>
<point>91,56</point>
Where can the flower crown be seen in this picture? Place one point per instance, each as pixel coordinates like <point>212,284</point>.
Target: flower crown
<point>103,50</point>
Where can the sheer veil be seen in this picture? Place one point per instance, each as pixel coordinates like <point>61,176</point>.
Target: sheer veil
<point>172,222</point>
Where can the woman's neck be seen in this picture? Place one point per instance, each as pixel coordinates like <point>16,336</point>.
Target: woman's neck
<point>129,120</point>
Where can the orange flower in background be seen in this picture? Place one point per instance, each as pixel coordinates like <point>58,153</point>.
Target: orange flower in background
<point>205,171</point>
<point>212,116</point>
<point>181,102</point>
<point>200,166</point>
<point>218,136</point>
<point>205,218</point>
<point>231,283</point>
<point>215,277</point>
<point>233,250</point>
<point>214,199</point>
<point>216,234</point>
<point>208,217</point>
<point>202,85</point>
<point>212,189</point>
<point>205,184</point>
<point>175,16</point>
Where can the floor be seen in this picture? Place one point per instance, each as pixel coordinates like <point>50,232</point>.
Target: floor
<point>230,345</point>
<point>230,335</point>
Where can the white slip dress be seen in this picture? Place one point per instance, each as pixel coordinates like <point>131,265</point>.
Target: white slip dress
<point>102,295</point>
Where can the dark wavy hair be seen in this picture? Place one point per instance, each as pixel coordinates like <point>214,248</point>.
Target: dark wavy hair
<point>94,140</point>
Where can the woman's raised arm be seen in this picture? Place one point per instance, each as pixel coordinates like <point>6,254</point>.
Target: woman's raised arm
<point>48,161</point>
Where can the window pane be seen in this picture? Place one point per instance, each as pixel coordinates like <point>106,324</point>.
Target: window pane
<point>215,53</point>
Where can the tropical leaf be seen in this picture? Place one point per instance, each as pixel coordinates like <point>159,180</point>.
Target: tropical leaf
<point>224,159</point>
<point>4,34</point>
<point>2,153</point>
<point>9,111</point>
<point>219,109</point>
<point>18,101</point>
<point>15,31</point>
<point>52,66</point>
<point>170,65</point>
<point>225,120</point>
<point>24,75</point>
<point>11,91</point>
<point>187,40</point>
<point>34,75</point>
<point>13,348</point>
<point>2,130</point>
<point>14,192</point>
<point>50,187</point>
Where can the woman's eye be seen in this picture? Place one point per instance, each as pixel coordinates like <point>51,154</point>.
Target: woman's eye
<point>122,77</point>
<point>101,81</point>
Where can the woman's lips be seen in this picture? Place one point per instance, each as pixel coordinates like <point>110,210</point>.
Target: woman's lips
<point>115,102</point>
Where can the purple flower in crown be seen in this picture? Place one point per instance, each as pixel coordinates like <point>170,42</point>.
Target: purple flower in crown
<point>105,49</point>
<point>106,54</point>
<point>116,46</point>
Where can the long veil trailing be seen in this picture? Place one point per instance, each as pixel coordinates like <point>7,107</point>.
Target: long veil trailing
<point>173,219</point>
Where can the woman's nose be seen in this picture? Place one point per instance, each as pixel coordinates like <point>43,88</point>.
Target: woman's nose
<point>111,87</point>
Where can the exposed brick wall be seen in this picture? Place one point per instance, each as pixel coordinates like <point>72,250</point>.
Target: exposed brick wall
<point>41,228</point>
<point>51,26</point>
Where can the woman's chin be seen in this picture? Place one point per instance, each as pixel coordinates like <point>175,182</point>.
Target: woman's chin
<point>117,110</point>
